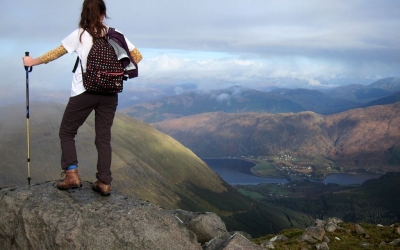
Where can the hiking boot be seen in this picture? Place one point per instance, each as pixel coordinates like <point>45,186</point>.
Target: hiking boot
<point>72,180</point>
<point>102,188</point>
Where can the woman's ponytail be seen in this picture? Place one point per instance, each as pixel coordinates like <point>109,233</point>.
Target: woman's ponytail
<point>92,10</point>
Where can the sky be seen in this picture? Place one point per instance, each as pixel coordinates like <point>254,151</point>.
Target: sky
<point>214,44</point>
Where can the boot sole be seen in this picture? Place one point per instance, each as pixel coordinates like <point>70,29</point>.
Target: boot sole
<point>102,193</point>
<point>73,187</point>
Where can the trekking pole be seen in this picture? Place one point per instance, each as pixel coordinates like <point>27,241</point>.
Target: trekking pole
<point>27,70</point>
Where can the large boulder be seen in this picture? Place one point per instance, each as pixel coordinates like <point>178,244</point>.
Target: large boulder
<point>43,217</point>
<point>206,226</point>
<point>232,242</point>
<point>322,246</point>
<point>315,233</point>
<point>330,227</point>
<point>359,230</point>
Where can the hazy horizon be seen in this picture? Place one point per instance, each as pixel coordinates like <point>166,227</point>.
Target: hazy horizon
<point>213,44</point>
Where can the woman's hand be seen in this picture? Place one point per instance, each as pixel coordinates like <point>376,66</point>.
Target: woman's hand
<point>29,61</point>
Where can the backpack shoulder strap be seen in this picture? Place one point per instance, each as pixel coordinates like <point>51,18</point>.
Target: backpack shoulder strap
<point>76,64</point>
<point>78,60</point>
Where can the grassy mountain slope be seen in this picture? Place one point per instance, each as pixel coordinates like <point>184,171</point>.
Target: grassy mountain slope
<point>248,133</point>
<point>138,151</point>
<point>365,136</point>
<point>355,138</point>
<point>146,163</point>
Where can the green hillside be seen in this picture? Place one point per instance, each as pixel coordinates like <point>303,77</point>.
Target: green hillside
<point>143,158</point>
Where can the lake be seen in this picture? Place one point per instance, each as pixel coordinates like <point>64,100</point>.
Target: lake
<point>237,171</point>
<point>347,179</point>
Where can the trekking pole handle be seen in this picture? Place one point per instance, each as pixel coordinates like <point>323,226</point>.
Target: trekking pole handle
<point>26,68</point>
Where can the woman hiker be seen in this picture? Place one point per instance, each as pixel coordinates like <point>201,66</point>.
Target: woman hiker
<point>82,103</point>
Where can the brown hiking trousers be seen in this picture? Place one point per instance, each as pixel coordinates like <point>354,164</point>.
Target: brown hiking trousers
<point>78,109</point>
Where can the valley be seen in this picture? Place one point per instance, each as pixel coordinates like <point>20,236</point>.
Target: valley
<point>296,135</point>
<point>304,146</point>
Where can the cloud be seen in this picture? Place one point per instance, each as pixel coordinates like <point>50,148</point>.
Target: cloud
<point>178,90</point>
<point>216,44</point>
<point>223,97</point>
<point>213,73</point>
<point>134,98</point>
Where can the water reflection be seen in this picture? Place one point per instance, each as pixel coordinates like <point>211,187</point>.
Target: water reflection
<point>348,179</point>
<point>236,171</point>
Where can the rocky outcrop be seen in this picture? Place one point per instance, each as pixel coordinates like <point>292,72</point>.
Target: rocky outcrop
<point>231,242</point>
<point>324,232</point>
<point>313,234</point>
<point>359,230</point>
<point>43,217</point>
<point>206,226</point>
<point>212,233</point>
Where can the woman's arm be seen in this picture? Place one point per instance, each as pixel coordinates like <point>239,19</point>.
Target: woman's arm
<point>136,55</point>
<point>47,57</point>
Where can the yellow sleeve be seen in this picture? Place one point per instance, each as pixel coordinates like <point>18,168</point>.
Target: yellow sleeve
<point>136,55</point>
<point>53,54</point>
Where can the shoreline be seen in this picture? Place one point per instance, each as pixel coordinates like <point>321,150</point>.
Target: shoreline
<point>292,178</point>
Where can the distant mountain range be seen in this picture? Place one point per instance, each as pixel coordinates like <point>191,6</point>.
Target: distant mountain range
<point>242,100</point>
<point>366,93</point>
<point>357,138</point>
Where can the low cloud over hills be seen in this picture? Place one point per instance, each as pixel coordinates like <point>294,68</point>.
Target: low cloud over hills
<point>242,100</point>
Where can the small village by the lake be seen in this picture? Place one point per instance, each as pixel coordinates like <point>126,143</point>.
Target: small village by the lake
<point>290,168</point>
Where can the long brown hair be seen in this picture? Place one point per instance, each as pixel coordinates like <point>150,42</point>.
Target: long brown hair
<point>92,10</point>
